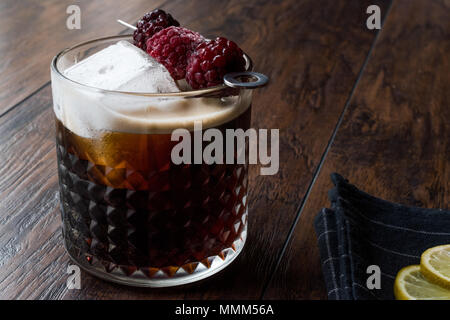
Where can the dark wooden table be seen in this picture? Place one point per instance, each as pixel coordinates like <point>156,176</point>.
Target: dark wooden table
<point>373,105</point>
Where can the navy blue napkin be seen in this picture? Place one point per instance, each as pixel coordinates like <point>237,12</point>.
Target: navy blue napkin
<point>361,230</point>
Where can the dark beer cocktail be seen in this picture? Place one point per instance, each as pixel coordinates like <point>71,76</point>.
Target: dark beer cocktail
<point>130,214</point>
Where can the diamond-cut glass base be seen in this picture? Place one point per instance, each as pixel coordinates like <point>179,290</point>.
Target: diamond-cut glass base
<point>157,277</point>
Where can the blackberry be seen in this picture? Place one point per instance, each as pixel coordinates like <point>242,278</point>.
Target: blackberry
<point>151,23</point>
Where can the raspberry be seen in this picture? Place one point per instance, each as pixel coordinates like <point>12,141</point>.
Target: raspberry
<point>211,61</point>
<point>150,24</point>
<point>172,47</point>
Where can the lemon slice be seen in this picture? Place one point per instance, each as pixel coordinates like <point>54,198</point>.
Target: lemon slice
<point>411,284</point>
<point>435,265</point>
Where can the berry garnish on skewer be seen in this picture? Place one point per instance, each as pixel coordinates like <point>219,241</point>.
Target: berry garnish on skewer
<point>211,60</point>
<point>151,23</point>
<point>172,47</point>
<point>187,54</point>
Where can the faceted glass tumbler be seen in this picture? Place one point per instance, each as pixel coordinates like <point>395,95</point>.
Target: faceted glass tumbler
<point>129,214</point>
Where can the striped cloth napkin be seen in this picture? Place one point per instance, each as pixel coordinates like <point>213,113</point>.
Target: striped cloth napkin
<point>361,231</point>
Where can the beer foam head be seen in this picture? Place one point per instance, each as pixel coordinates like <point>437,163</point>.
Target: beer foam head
<point>123,67</point>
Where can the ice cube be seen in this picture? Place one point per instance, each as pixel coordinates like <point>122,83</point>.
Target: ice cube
<point>123,67</point>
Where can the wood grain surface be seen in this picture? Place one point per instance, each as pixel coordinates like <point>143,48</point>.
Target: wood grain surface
<point>394,139</point>
<point>33,32</point>
<point>313,52</point>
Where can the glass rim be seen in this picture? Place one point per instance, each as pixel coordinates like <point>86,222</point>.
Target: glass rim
<point>190,93</point>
